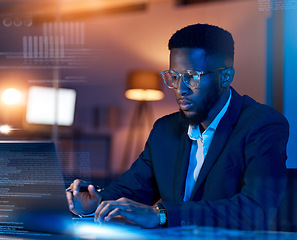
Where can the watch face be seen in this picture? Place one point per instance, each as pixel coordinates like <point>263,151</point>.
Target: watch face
<point>163,217</point>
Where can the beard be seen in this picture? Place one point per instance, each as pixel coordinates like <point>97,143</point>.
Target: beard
<point>203,109</point>
<point>195,120</point>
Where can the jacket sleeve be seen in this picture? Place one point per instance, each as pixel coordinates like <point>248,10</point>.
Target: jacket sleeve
<point>137,183</point>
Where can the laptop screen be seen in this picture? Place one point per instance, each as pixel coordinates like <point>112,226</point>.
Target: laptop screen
<point>32,191</point>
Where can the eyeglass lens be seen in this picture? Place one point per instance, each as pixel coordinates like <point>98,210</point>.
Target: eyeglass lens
<point>171,79</point>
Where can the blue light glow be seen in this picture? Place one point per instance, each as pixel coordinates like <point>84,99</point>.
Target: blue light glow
<point>92,231</point>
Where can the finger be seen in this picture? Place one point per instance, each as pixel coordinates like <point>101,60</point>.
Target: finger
<point>69,189</point>
<point>76,187</point>
<point>114,213</point>
<point>124,200</point>
<point>101,209</point>
<point>70,200</point>
<point>104,209</point>
<point>77,183</point>
<point>93,192</point>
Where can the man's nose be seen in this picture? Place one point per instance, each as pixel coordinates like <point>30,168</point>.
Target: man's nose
<point>181,87</point>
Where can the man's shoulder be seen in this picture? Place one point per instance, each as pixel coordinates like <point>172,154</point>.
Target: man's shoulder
<point>167,130</point>
<point>256,110</point>
<point>169,117</point>
<point>252,107</point>
<point>252,104</point>
<point>171,122</point>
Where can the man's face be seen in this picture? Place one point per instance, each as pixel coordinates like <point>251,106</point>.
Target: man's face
<point>196,104</point>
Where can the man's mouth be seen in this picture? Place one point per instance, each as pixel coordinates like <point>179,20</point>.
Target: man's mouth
<point>184,105</point>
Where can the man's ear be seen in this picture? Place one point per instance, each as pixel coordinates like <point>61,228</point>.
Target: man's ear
<point>227,76</point>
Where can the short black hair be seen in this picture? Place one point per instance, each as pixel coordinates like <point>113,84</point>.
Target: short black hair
<point>214,40</point>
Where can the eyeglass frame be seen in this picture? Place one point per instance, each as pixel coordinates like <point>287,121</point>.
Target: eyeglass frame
<point>181,75</point>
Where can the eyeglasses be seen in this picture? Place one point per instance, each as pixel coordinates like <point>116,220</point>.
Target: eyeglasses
<point>191,78</point>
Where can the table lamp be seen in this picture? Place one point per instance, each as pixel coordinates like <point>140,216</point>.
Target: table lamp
<point>144,86</point>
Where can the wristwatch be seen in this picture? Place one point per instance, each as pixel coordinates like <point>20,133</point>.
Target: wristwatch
<point>162,214</point>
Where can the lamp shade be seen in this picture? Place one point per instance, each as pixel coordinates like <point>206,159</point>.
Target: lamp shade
<point>144,86</point>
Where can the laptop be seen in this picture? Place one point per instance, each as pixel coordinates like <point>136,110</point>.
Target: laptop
<point>33,202</point>
<point>32,191</point>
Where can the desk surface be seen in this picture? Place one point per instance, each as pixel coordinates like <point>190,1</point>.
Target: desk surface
<point>118,232</point>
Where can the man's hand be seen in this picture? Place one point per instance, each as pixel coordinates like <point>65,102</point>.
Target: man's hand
<point>143,215</point>
<point>82,202</point>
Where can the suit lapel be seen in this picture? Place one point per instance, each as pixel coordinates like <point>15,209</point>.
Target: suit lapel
<point>181,167</point>
<point>219,140</point>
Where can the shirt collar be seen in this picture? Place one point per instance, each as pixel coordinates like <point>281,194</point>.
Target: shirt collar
<point>194,131</point>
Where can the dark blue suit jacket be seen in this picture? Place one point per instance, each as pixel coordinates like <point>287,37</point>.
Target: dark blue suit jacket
<point>241,182</point>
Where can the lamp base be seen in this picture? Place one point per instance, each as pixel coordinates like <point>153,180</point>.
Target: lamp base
<point>142,114</point>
